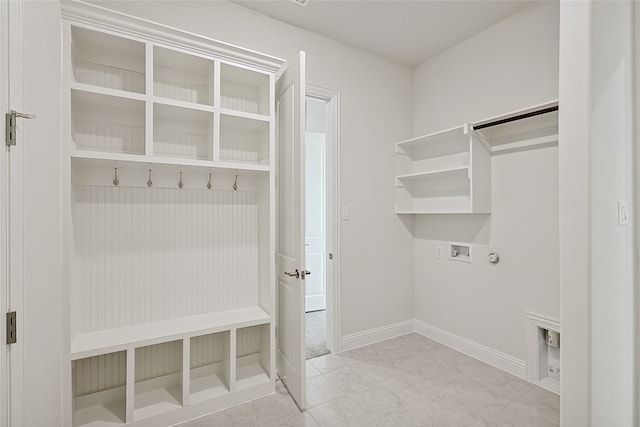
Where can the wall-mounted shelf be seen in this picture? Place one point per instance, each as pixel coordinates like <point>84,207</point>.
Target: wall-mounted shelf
<point>525,129</point>
<point>443,172</point>
<point>449,172</point>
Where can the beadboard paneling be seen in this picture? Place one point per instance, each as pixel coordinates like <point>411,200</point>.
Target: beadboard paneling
<point>144,255</point>
<point>158,360</point>
<point>209,349</point>
<point>248,340</point>
<point>99,373</point>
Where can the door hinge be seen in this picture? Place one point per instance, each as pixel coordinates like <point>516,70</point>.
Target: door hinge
<point>11,130</point>
<point>12,329</point>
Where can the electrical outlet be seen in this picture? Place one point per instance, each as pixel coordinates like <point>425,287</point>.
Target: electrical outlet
<point>439,251</point>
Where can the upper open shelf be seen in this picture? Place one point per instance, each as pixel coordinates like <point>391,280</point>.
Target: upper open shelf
<point>107,61</point>
<point>443,143</point>
<point>522,129</point>
<point>182,77</point>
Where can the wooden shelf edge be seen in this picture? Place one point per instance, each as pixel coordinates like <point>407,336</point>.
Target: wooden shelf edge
<point>244,115</point>
<point>462,128</point>
<point>140,159</point>
<point>113,340</point>
<point>101,90</point>
<point>406,212</point>
<point>418,175</point>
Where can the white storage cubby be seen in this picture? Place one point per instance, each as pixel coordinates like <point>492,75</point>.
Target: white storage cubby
<point>244,140</point>
<point>107,61</point>
<point>99,392</point>
<point>182,132</point>
<point>182,77</point>
<point>253,356</point>
<point>443,172</point>
<point>169,220</point>
<point>107,123</point>
<point>210,366</point>
<point>244,90</point>
<point>158,379</point>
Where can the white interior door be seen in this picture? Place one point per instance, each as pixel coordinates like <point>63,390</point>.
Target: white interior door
<point>315,220</point>
<point>290,253</point>
<point>11,214</point>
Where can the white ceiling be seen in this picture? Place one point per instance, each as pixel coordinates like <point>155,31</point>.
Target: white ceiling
<point>405,31</point>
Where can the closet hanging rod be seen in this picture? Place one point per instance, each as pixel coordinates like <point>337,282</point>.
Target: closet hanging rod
<point>518,117</point>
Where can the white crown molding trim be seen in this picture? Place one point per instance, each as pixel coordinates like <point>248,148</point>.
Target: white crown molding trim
<point>108,20</point>
<point>360,339</point>
<point>477,351</point>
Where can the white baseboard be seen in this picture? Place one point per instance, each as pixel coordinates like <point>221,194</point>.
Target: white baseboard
<point>477,351</point>
<point>360,339</point>
<point>480,352</point>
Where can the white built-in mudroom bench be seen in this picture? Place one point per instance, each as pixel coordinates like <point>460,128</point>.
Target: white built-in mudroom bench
<point>169,229</point>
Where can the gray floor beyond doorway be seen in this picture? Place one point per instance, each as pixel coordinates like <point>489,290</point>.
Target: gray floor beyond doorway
<point>406,381</point>
<point>316,334</point>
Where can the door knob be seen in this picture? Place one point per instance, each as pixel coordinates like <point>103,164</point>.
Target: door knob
<point>305,273</point>
<point>295,274</point>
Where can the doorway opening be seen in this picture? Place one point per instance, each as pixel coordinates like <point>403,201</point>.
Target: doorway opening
<point>320,230</point>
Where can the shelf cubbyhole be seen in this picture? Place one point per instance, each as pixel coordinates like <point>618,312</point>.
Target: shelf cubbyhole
<point>182,77</point>
<point>210,366</point>
<point>252,356</point>
<point>99,390</point>
<point>108,61</point>
<point>452,183</point>
<point>107,123</point>
<point>244,140</point>
<point>158,379</point>
<point>244,90</point>
<point>182,132</point>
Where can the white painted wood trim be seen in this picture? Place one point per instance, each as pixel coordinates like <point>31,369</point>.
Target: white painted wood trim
<point>107,20</point>
<point>111,340</point>
<point>360,339</point>
<point>477,351</point>
<point>13,183</point>
<point>4,203</point>
<point>333,214</point>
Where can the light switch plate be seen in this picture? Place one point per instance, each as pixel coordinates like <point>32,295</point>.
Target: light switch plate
<point>346,213</point>
<point>623,212</point>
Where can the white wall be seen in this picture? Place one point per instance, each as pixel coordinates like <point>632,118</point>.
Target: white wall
<point>511,65</point>
<point>376,268</point>
<point>43,302</point>
<point>612,267</point>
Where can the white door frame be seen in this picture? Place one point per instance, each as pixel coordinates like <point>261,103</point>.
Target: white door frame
<point>11,213</point>
<point>332,216</point>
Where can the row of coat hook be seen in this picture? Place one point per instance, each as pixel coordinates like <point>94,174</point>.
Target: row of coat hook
<point>116,181</point>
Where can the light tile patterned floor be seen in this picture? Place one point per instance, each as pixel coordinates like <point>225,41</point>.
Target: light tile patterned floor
<point>406,381</point>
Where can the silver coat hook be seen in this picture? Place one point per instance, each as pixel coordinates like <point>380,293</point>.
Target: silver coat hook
<point>116,181</point>
<point>149,182</point>
<point>180,183</point>
<point>209,185</point>
<point>235,184</point>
